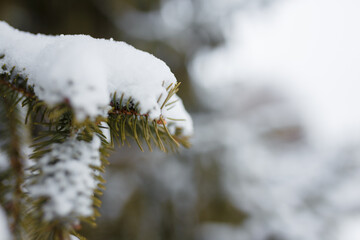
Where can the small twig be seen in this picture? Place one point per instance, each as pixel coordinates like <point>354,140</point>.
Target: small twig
<point>19,90</point>
<point>126,112</point>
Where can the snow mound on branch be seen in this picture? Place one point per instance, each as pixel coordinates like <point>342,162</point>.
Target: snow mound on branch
<point>67,179</point>
<point>85,71</point>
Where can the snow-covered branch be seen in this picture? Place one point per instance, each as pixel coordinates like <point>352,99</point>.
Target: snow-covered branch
<point>82,94</point>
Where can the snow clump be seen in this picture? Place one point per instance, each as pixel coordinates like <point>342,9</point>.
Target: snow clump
<point>67,179</point>
<point>85,72</point>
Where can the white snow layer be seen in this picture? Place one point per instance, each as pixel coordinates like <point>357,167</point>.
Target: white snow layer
<point>4,226</point>
<point>85,71</point>
<point>4,162</point>
<point>67,179</point>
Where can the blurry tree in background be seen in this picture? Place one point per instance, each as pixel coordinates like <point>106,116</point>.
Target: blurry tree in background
<point>161,197</point>
<point>251,172</point>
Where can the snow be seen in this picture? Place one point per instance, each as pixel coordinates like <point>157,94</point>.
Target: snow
<point>4,162</point>
<point>304,189</point>
<point>4,227</point>
<point>308,48</point>
<point>86,71</point>
<point>289,189</point>
<point>183,119</point>
<point>349,229</point>
<point>67,179</point>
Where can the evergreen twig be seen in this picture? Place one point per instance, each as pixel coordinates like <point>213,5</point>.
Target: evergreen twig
<point>56,124</point>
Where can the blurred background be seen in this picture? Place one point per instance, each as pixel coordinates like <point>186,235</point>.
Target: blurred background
<point>273,88</point>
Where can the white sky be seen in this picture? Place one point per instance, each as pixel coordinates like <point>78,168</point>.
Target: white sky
<point>312,49</point>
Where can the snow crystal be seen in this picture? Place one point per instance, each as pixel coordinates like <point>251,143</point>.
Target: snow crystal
<point>67,179</point>
<point>85,71</point>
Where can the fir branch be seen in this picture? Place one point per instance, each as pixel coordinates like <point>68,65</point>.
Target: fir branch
<point>16,81</point>
<point>24,92</point>
<point>11,144</point>
<point>133,123</point>
<point>55,127</point>
<point>127,112</point>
